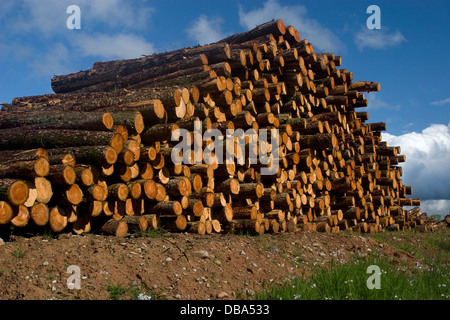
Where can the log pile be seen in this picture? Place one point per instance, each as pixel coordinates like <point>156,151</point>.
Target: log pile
<point>97,155</point>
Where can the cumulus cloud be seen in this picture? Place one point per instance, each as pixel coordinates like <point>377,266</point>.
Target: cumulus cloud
<point>441,102</point>
<point>427,167</point>
<point>37,31</point>
<point>206,30</point>
<point>119,46</point>
<point>378,38</point>
<point>54,62</point>
<point>48,17</point>
<point>295,15</point>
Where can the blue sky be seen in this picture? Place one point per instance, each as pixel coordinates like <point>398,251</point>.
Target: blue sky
<point>408,56</point>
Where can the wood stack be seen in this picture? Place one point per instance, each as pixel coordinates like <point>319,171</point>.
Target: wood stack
<point>100,148</point>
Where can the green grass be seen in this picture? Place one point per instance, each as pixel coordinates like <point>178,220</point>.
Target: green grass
<point>152,233</point>
<point>429,280</point>
<point>117,292</point>
<point>431,247</point>
<point>18,253</point>
<point>349,282</point>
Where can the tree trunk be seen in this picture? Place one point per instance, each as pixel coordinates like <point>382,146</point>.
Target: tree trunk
<point>25,168</point>
<point>6,212</point>
<point>14,191</point>
<point>25,138</point>
<point>102,155</point>
<point>40,214</point>
<point>41,119</point>
<point>274,27</point>
<point>118,228</point>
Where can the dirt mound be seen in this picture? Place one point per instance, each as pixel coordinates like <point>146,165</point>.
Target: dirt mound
<point>169,266</point>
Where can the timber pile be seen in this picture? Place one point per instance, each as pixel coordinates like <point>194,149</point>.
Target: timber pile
<point>96,155</point>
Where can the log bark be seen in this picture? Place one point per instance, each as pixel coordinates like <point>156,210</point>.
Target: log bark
<point>25,168</point>
<point>274,27</point>
<point>167,208</point>
<point>24,138</point>
<point>41,119</point>
<point>102,155</point>
<point>62,174</point>
<point>117,228</point>
<point>23,155</point>
<point>6,212</point>
<point>174,223</point>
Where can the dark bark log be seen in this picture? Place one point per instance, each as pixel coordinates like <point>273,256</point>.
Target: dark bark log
<point>274,27</point>
<point>76,120</point>
<point>22,138</point>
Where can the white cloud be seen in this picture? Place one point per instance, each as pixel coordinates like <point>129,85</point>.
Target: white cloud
<point>296,15</point>
<point>378,38</point>
<point>206,30</point>
<point>427,167</point>
<point>441,207</point>
<point>54,62</point>
<point>375,102</point>
<point>119,46</point>
<point>441,102</point>
<point>48,17</point>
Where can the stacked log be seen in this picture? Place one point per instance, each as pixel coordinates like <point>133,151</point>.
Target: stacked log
<point>101,153</point>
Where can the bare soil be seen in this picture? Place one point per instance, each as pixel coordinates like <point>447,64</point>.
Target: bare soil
<point>171,266</point>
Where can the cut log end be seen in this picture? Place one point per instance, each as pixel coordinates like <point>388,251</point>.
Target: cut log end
<point>6,212</point>
<point>18,192</point>
<point>57,219</point>
<point>74,194</point>
<point>108,120</point>
<point>42,167</point>
<point>40,214</point>
<point>21,216</point>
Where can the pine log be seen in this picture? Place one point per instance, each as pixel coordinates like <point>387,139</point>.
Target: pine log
<point>62,174</point>
<point>24,138</point>
<point>25,168</point>
<point>40,214</point>
<point>21,216</point>
<point>57,219</point>
<point>44,190</point>
<point>174,223</point>
<point>15,191</point>
<point>6,212</point>
<point>23,155</point>
<point>229,186</point>
<point>160,132</point>
<point>146,221</point>
<point>52,119</point>
<point>118,191</point>
<point>198,227</point>
<point>132,120</point>
<point>85,175</point>
<point>366,86</point>
<point>274,27</point>
<point>96,192</point>
<point>118,228</point>
<point>167,208</point>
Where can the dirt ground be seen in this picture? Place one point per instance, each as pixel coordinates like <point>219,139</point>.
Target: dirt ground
<point>170,266</point>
